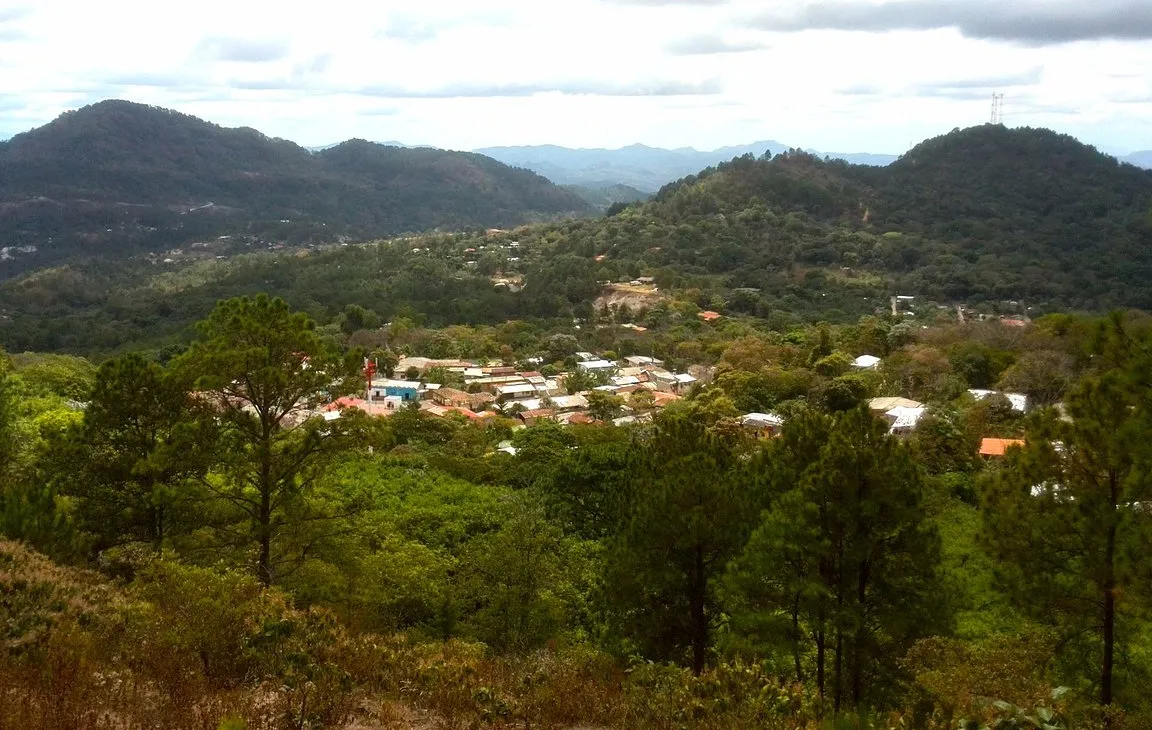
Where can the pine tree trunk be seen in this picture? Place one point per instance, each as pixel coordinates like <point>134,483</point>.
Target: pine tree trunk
<point>857,639</point>
<point>264,515</point>
<point>838,670</point>
<point>697,598</point>
<point>796,638</point>
<point>1109,628</point>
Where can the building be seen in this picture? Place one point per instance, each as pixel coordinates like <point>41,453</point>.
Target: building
<point>453,398</point>
<point>596,366</point>
<point>516,391</point>
<point>993,448</point>
<point>903,420</point>
<point>866,362</point>
<point>569,403</point>
<point>764,424</point>
<point>886,404</point>
<point>675,383</point>
<point>383,407</point>
<point>1019,401</point>
<point>709,316</point>
<point>533,417</point>
<point>639,361</point>
<point>405,390</point>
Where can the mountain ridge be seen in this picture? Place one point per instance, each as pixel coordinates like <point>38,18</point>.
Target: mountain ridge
<point>120,177</point>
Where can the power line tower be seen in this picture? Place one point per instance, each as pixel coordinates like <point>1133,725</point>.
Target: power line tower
<point>997,108</point>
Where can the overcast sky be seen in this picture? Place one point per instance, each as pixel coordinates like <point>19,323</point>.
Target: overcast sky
<point>836,75</point>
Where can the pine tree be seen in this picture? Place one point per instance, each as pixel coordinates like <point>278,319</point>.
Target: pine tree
<point>1067,514</point>
<point>687,509</point>
<point>266,371</point>
<point>845,553</point>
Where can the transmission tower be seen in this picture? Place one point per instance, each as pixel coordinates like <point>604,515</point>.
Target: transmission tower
<point>997,108</point>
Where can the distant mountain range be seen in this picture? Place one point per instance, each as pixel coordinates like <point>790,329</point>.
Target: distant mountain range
<point>639,166</point>
<point>1139,159</point>
<point>118,177</point>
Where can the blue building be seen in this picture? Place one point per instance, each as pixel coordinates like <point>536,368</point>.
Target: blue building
<point>405,390</point>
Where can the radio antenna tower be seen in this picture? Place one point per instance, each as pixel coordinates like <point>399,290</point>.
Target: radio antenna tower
<point>997,108</point>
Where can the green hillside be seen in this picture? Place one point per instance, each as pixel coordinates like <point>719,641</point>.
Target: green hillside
<point>982,217</point>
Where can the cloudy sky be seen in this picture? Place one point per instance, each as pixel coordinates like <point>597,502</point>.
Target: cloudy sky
<point>837,75</point>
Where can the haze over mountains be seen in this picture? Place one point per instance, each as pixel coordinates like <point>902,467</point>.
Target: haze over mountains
<point>639,166</point>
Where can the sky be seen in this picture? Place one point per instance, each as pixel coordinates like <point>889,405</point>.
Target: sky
<point>835,75</point>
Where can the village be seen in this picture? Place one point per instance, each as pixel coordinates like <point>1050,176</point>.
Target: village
<point>598,391</point>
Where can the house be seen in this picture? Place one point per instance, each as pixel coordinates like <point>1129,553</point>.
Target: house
<point>516,391</point>
<point>765,424</point>
<point>577,418</point>
<point>568,403</point>
<point>886,404</point>
<point>663,399</point>
<point>1019,401</point>
<point>709,316</point>
<point>866,362</point>
<point>1014,322</point>
<point>903,420</point>
<point>676,383</point>
<point>596,366</point>
<point>639,361</point>
<point>424,364</point>
<point>534,416</point>
<point>991,448</point>
<point>623,380</point>
<point>490,385</point>
<point>383,407</point>
<point>443,411</point>
<point>453,398</point>
<point>405,390</point>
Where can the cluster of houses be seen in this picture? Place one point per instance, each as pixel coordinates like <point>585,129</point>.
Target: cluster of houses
<point>902,414</point>
<point>493,389</point>
<point>489,390</point>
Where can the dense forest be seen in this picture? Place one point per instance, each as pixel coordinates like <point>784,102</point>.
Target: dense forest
<point>119,178</point>
<point>196,545</point>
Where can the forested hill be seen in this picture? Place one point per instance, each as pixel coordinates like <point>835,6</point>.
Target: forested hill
<point>119,177</point>
<point>986,213</point>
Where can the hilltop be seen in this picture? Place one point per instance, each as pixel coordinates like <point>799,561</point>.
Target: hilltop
<point>118,177</point>
<point>986,213</point>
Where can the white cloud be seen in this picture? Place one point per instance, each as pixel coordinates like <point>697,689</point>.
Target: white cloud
<point>461,74</point>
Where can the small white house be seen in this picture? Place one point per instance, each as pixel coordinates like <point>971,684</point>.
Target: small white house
<point>516,391</point>
<point>904,419</point>
<point>596,365</point>
<point>866,362</point>
<point>1019,401</point>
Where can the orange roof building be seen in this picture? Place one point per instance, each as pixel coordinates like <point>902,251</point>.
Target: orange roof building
<point>996,447</point>
<point>709,316</point>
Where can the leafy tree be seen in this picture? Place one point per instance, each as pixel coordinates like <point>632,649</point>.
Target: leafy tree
<point>511,577</point>
<point>61,375</point>
<point>264,370</point>
<point>356,318</point>
<point>604,406</point>
<point>561,346</point>
<point>1042,375</point>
